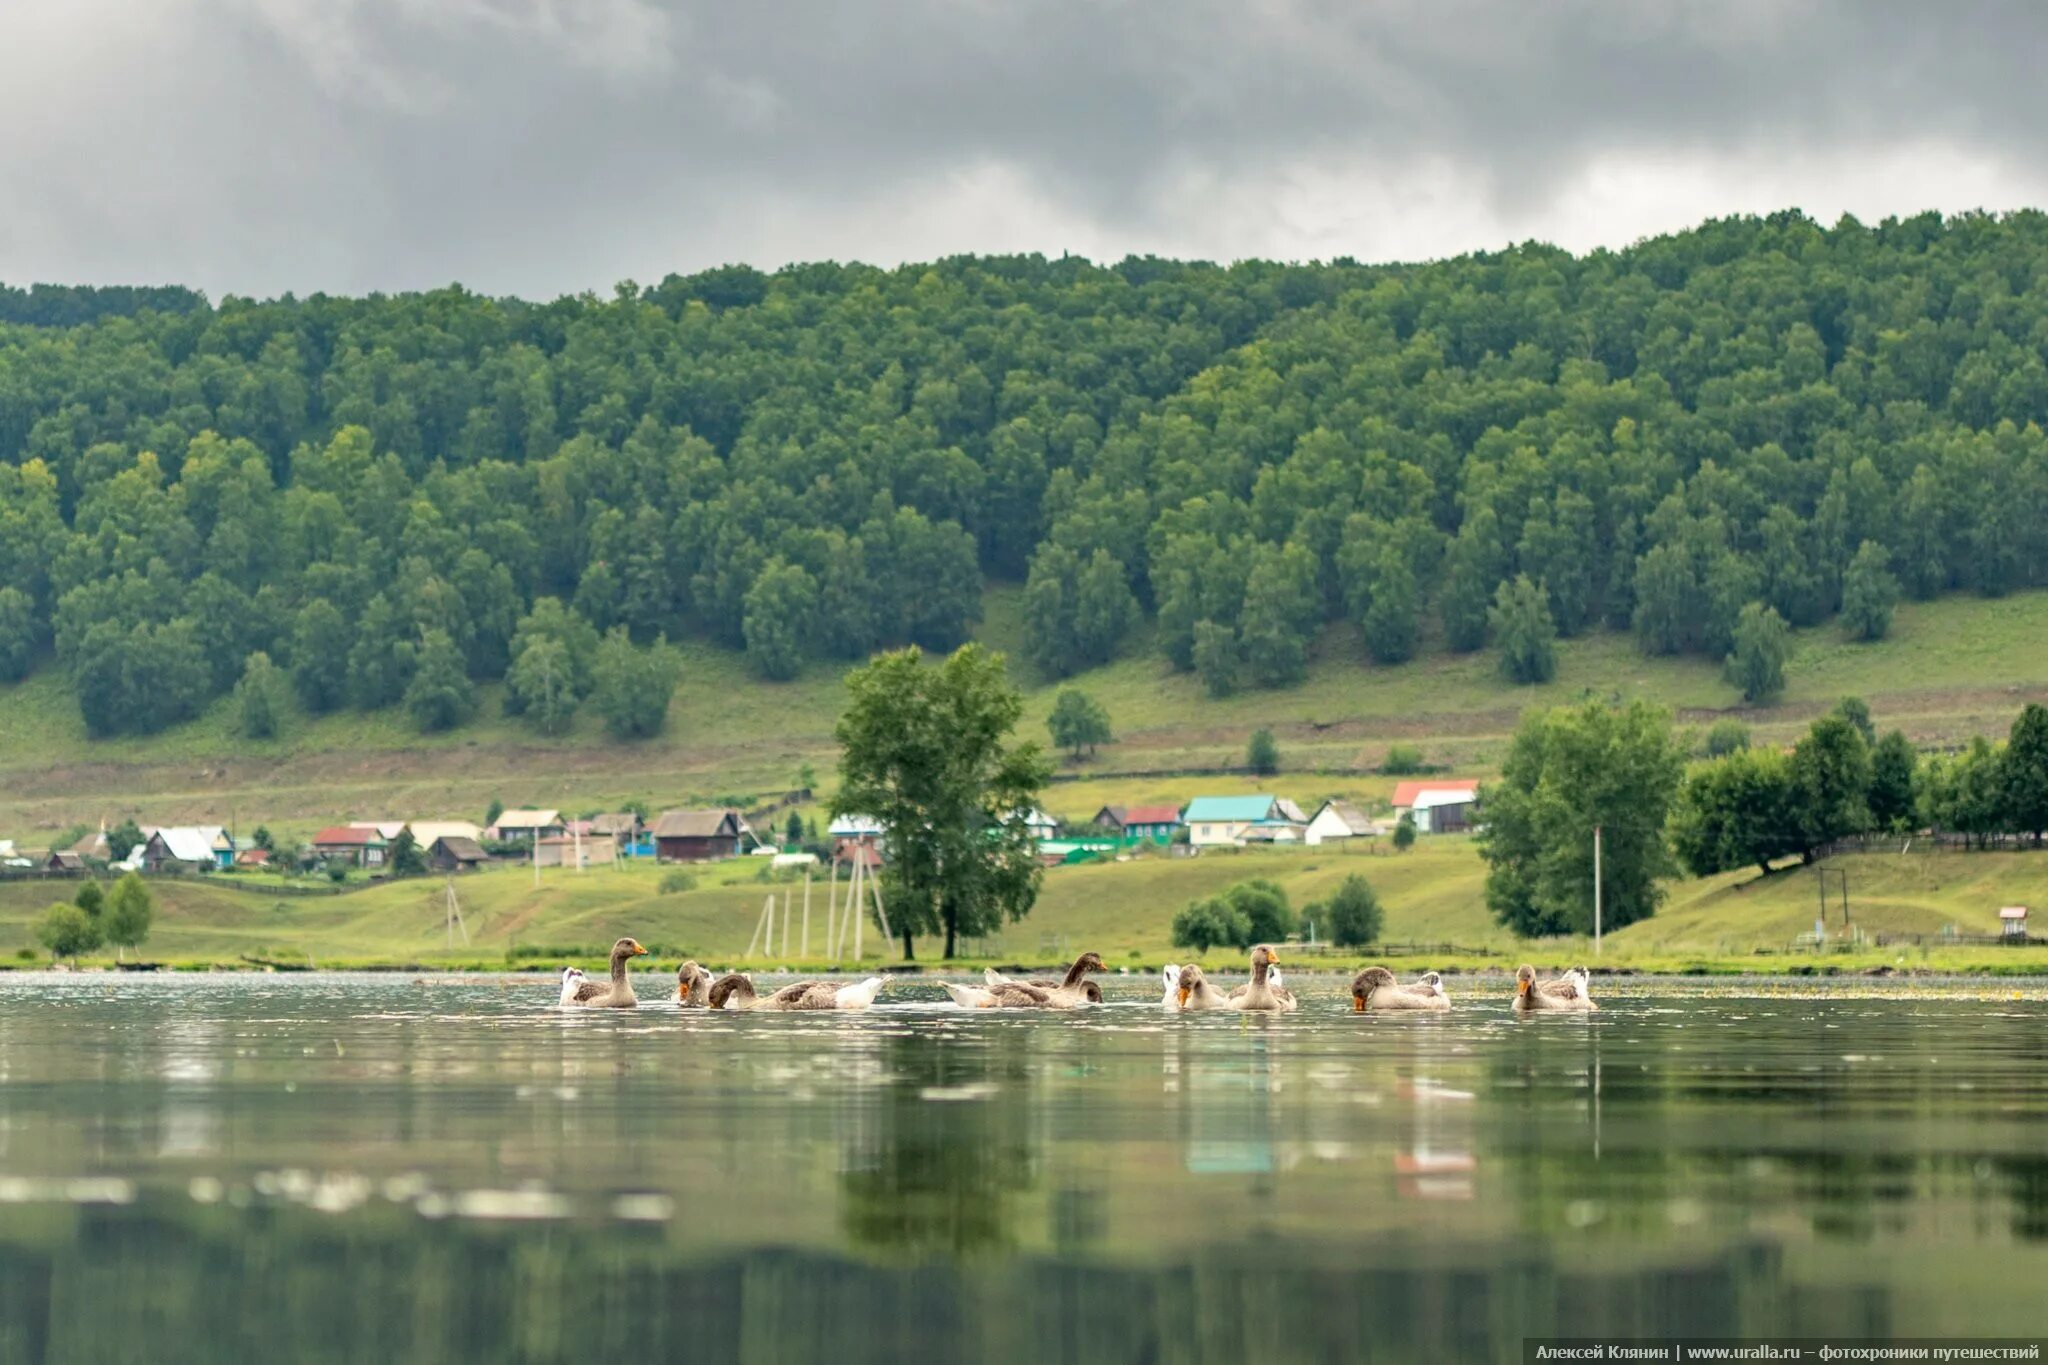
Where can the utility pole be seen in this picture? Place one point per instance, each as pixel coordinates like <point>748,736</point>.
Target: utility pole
<point>1596,891</point>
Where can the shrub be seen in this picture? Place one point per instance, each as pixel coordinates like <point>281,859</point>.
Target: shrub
<point>677,880</point>
<point>1726,737</point>
<point>1402,760</point>
<point>1352,917</point>
<point>1247,913</point>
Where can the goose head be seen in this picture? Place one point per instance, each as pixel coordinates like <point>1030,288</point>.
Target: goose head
<point>627,947</point>
<point>689,978</point>
<point>1365,983</point>
<point>1190,982</point>
<point>1525,977</point>
<point>727,986</point>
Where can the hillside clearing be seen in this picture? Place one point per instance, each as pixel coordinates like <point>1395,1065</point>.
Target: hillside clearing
<point>1950,669</point>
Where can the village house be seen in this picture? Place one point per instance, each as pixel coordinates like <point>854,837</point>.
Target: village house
<point>252,859</point>
<point>524,826</point>
<point>1036,822</point>
<point>356,845</point>
<point>64,860</point>
<point>1139,822</point>
<point>94,847</point>
<point>171,847</point>
<point>858,829</point>
<point>425,832</point>
<point>1438,807</point>
<point>456,853</point>
<point>696,836</point>
<point>1335,820</point>
<point>1234,821</point>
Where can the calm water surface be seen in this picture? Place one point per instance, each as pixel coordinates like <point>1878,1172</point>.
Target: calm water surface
<point>381,1169</point>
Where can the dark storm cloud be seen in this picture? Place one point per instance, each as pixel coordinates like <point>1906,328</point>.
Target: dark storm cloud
<point>543,145</point>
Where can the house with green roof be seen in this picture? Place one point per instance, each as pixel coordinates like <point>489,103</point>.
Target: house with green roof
<point>1234,821</point>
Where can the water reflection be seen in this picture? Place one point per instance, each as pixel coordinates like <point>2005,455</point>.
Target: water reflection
<point>329,1169</point>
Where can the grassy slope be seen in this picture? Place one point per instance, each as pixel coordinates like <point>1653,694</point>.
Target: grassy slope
<point>1951,668</point>
<point>1433,896</point>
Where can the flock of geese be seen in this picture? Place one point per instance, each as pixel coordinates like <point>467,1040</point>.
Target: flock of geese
<point>1186,989</point>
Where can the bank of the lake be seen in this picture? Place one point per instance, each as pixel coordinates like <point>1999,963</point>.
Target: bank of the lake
<point>1434,898</point>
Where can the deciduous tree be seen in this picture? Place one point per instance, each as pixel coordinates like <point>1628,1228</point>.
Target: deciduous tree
<point>929,753</point>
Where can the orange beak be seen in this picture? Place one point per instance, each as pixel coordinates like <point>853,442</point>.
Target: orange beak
<point>1358,1004</point>
<point>638,951</point>
<point>1273,958</point>
<point>1521,988</point>
<point>1184,994</point>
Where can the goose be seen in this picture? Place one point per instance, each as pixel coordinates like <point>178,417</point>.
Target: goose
<point>1280,993</point>
<point>693,985</point>
<point>572,981</point>
<point>1258,993</point>
<point>1069,989</point>
<point>1169,977</point>
<point>616,993</point>
<point>1568,994</point>
<point>1375,989</point>
<point>735,990</point>
<point>1195,993</point>
<point>1005,994</point>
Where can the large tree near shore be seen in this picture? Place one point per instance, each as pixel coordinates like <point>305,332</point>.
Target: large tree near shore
<point>1569,770</point>
<point>928,752</point>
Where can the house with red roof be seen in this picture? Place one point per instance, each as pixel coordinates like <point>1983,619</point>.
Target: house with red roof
<point>359,845</point>
<point>1447,806</point>
<point>1139,822</point>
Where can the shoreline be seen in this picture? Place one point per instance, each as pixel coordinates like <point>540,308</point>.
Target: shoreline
<point>2027,963</point>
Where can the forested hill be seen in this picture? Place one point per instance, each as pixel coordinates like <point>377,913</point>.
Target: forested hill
<point>375,493</point>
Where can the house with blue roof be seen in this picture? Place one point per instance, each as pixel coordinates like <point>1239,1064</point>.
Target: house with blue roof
<point>1234,821</point>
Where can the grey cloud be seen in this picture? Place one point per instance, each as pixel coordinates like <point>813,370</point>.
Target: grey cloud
<point>537,146</point>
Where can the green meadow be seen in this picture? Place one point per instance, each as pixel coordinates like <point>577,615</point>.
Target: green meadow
<point>1433,896</point>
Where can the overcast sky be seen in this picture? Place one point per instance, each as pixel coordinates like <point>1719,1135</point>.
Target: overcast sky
<point>546,146</point>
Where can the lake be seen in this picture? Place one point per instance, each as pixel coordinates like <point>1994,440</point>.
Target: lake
<point>378,1168</point>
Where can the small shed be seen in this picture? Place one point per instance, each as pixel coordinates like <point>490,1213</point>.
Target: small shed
<point>2012,921</point>
<point>455,853</point>
<point>690,836</point>
<point>65,860</point>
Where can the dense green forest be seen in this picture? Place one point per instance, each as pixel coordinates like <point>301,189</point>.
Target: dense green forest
<point>389,498</point>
